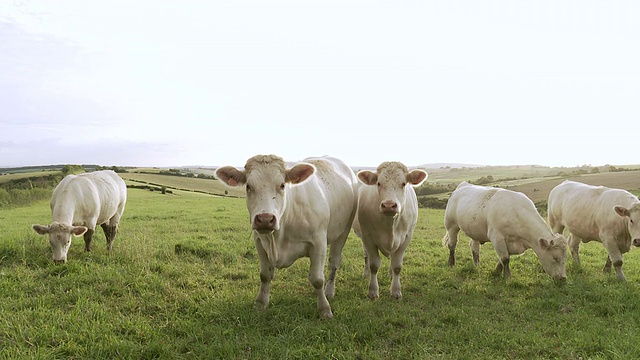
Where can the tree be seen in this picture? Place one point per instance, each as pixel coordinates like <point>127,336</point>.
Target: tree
<point>72,169</point>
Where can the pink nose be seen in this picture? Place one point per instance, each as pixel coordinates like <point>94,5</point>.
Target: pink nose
<point>389,207</point>
<point>264,221</point>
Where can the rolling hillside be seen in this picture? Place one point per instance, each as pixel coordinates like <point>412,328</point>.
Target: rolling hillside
<point>539,190</point>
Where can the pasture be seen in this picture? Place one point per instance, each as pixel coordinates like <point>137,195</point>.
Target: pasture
<point>184,274</point>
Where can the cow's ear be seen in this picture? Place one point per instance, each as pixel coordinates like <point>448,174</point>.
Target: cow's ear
<point>622,211</point>
<point>40,229</point>
<point>544,243</point>
<point>368,177</point>
<point>78,230</point>
<point>231,176</point>
<point>416,177</point>
<point>299,173</point>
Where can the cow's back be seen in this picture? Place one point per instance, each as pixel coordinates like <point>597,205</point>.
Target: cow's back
<point>477,209</point>
<point>338,187</point>
<point>96,195</point>
<point>466,209</point>
<point>570,198</point>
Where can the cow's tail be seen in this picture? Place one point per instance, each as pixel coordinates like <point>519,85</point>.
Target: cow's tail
<point>445,240</point>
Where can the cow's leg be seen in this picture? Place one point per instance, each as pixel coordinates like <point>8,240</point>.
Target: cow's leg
<point>452,242</point>
<point>475,251</point>
<point>87,239</point>
<point>615,256</point>
<point>266,274</point>
<point>365,270</point>
<point>335,258</point>
<point>503,267</point>
<point>607,265</point>
<point>500,244</point>
<point>110,230</point>
<point>574,246</point>
<point>396,267</point>
<point>113,231</point>
<point>374,266</point>
<point>317,257</point>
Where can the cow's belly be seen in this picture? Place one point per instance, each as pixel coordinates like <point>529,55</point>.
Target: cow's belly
<point>282,255</point>
<point>584,234</point>
<point>478,234</point>
<point>516,247</point>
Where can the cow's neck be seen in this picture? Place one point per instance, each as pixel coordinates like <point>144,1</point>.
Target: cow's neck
<point>63,213</point>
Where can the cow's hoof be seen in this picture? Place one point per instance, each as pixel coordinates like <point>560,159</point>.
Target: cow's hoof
<point>372,296</point>
<point>260,306</point>
<point>327,314</point>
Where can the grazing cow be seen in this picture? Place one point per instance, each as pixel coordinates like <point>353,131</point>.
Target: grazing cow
<point>297,212</point>
<point>78,204</point>
<point>507,219</point>
<point>386,218</point>
<point>610,216</point>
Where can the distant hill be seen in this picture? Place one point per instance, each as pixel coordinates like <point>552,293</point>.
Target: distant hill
<point>447,165</point>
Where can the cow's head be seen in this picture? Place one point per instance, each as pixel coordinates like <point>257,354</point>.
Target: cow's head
<point>632,217</point>
<point>391,178</point>
<point>553,256</point>
<point>60,238</point>
<point>266,179</point>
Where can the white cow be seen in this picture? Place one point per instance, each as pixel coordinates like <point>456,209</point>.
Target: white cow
<point>78,204</point>
<point>610,216</point>
<point>507,219</point>
<point>296,212</point>
<point>387,216</point>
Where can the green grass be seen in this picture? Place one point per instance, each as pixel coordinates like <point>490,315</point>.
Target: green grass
<point>208,186</point>
<point>19,175</point>
<point>183,276</point>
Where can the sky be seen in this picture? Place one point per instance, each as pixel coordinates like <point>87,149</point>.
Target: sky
<point>212,83</point>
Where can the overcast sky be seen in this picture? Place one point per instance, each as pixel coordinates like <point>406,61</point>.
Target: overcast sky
<point>170,83</point>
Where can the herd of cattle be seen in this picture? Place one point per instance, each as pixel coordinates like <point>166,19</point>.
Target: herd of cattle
<point>307,209</point>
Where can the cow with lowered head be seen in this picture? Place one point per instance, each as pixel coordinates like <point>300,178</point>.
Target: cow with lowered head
<point>509,221</point>
<point>78,204</point>
<point>596,213</point>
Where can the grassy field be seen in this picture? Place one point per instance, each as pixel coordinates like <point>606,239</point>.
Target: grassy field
<point>20,175</point>
<point>208,186</point>
<point>184,274</point>
<point>538,189</point>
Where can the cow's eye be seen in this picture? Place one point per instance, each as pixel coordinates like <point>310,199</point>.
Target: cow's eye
<point>404,184</point>
<point>282,186</point>
<point>631,221</point>
<point>248,188</point>
<point>378,184</point>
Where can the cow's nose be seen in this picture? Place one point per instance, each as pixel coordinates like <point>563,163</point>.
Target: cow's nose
<point>636,242</point>
<point>264,221</point>
<point>389,207</point>
<point>560,278</point>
